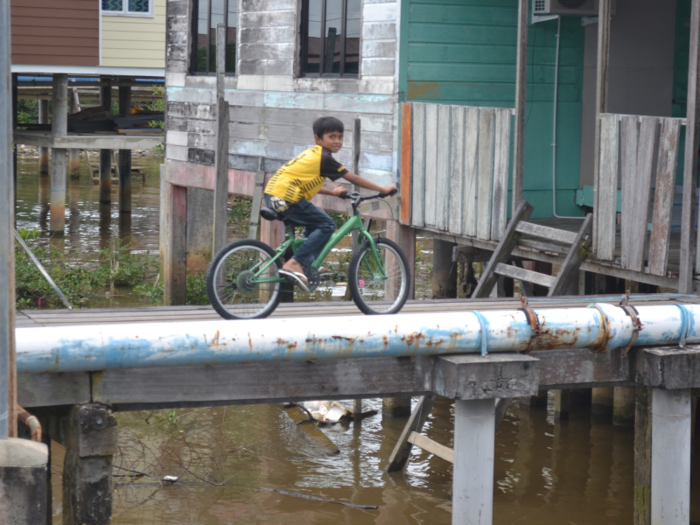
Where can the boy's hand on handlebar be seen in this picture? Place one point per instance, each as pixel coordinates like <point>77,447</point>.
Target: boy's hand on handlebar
<point>339,191</point>
<point>389,190</point>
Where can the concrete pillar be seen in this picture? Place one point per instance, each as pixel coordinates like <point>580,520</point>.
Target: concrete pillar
<point>23,475</point>
<point>642,457</point>
<point>405,237</point>
<point>199,228</point>
<point>73,154</point>
<point>474,444</point>
<point>396,407</point>
<point>670,457</point>
<point>444,281</point>
<point>87,471</point>
<point>562,400</point>
<point>59,128</point>
<point>124,155</point>
<point>602,401</point>
<point>106,154</point>
<point>624,400</point>
<point>43,152</point>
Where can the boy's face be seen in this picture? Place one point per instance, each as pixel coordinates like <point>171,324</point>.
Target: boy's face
<point>332,141</point>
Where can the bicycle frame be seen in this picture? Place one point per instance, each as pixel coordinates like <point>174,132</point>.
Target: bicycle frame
<point>352,224</point>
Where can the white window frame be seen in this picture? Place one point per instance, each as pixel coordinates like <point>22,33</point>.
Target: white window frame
<point>125,12</point>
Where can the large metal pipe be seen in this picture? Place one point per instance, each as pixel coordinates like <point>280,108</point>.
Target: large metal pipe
<point>144,345</point>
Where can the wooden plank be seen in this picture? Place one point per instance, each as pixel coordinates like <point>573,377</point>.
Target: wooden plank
<point>471,145</point>
<point>520,98</point>
<point>402,450</point>
<point>173,249</point>
<point>433,447</point>
<point>663,197</point>
<point>604,16</point>
<point>500,173</point>
<point>484,200</point>
<point>444,163</point>
<point>692,142</point>
<point>545,232</point>
<point>543,246</point>
<point>457,175</point>
<point>406,146</point>
<point>524,275</point>
<point>637,216</point>
<point>606,211</point>
<point>503,250</point>
<point>580,250</point>
<point>629,146</point>
<point>418,166</point>
<point>255,205</point>
<point>432,138</point>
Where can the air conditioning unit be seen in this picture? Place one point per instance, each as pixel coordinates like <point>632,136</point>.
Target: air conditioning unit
<point>565,7</point>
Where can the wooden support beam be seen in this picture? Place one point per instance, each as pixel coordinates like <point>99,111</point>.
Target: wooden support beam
<point>106,154</point>
<point>692,142</point>
<point>222,138</point>
<point>257,201</point>
<point>59,127</point>
<point>43,151</point>
<point>402,449</point>
<point>173,241</point>
<point>520,99</point>
<point>124,166</point>
<point>604,17</point>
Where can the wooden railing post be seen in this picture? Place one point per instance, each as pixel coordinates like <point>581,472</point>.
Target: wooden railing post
<point>520,92</point>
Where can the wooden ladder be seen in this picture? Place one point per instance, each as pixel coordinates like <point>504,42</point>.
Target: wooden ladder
<point>579,246</point>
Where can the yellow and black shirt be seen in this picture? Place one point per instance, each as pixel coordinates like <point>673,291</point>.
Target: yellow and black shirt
<point>304,175</point>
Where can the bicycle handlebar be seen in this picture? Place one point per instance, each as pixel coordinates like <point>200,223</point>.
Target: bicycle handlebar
<point>358,198</point>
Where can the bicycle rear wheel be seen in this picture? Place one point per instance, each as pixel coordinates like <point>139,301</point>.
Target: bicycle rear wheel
<point>379,285</point>
<point>233,287</point>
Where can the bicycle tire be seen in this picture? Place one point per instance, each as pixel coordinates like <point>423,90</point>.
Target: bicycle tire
<point>236,298</point>
<point>370,294</point>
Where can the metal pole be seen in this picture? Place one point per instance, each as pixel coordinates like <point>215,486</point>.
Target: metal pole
<point>222,120</point>
<point>670,457</point>
<point>472,478</point>
<point>8,368</point>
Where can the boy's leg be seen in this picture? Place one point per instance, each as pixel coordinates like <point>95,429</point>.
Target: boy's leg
<point>320,228</point>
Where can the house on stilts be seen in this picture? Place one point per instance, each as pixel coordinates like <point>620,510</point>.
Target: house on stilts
<point>472,105</point>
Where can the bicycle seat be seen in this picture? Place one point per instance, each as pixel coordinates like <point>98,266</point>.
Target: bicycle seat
<point>270,215</point>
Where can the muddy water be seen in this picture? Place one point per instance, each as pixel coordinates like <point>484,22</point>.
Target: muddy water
<point>578,472</point>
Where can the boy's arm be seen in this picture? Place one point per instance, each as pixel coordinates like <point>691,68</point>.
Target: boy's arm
<point>364,183</point>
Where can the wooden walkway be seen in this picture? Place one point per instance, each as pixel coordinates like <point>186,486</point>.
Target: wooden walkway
<point>33,318</point>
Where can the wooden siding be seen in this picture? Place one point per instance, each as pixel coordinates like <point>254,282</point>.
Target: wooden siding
<point>272,109</point>
<point>464,53</point>
<point>132,41</point>
<point>55,32</point>
<point>459,166</point>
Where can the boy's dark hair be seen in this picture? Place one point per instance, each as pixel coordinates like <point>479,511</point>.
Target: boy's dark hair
<point>325,125</point>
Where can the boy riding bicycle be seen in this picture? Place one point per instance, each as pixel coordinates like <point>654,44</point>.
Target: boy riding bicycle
<point>298,181</point>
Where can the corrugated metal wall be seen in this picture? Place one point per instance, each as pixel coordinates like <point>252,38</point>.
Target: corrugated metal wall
<point>464,51</point>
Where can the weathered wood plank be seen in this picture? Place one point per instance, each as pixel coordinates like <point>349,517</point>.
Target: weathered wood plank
<point>471,145</point>
<point>520,99</point>
<point>173,249</point>
<point>545,232</point>
<point>689,257</point>
<point>500,173</point>
<point>431,446</point>
<point>663,197</point>
<point>457,175</point>
<point>418,166</point>
<point>629,144</point>
<point>406,151</point>
<point>524,275</point>
<point>432,138</point>
<point>402,449</point>
<point>444,161</point>
<point>487,118</point>
<point>637,216</point>
<point>606,210</point>
<point>580,250</point>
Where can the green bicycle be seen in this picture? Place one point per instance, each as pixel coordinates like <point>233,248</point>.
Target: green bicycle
<point>243,280</point>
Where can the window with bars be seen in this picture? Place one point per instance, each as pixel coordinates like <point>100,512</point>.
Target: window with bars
<point>330,38</point>
<point>211,13</point>
<point>128,7</point>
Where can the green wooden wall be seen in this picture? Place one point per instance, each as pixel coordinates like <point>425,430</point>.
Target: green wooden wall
<point>464,52</point>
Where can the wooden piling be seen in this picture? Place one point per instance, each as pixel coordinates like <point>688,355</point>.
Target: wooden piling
<point>106,154</point>
<point>642,457</point>
<point>173,246</point>
<point>405,237</point>
<point>59,128</point>
<point>444,278</point>
<point>220,209</point>
<point>73,154</point>
<point>562,404</point>
<point>624,402</point>
<point>124,155</point>
<point>602,401</point>
<point>43,152</point>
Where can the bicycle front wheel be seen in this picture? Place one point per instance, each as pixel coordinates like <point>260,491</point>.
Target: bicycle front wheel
<point>239,285</point>
<point>379,284</point>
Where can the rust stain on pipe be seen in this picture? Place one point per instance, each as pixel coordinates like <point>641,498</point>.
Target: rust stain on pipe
<point>31,422</point>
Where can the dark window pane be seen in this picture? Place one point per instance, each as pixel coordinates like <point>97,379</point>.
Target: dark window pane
<point>232,28</point>
<point>138,6</point>
<point>111,5</point>
<point>311,36</point>
<point>202,36</point>
<point>217,17</point>
<point>352,37</point>
<point>334,36</point>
